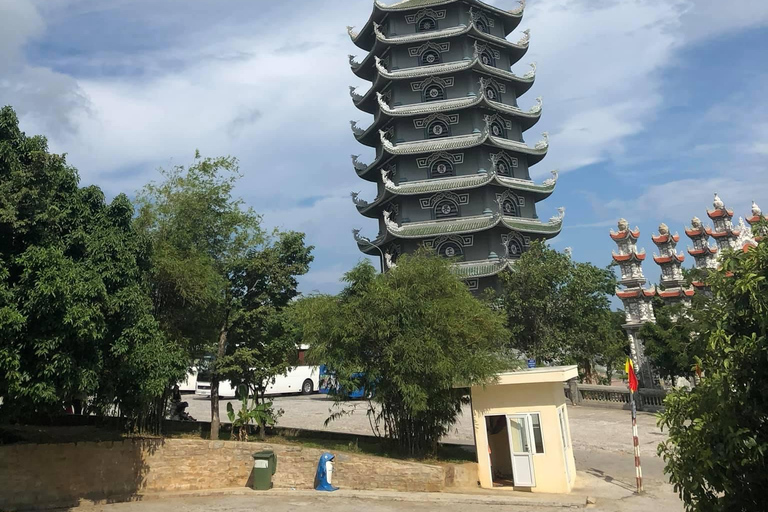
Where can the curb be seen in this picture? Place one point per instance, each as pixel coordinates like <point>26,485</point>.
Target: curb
<point>571,502</point>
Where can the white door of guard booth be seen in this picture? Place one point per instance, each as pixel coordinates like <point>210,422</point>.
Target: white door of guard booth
<point>521,449</point>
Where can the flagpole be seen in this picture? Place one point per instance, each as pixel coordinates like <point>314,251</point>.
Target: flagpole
<point>635,439</point>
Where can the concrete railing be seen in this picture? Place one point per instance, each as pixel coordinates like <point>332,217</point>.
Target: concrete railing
<point>614,396</point>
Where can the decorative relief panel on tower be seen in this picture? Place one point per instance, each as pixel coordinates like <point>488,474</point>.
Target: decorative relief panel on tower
<point>482,48</point>
<point>479,16</point>
<point>426,121</point>
<point>430,202</point>
<point>502,163</point>
<point>412,19</point>
<point>510,203</point>
<point>416,51</point>
<point>515,244</point>
<point>436,80</point>
<point>426,163</point>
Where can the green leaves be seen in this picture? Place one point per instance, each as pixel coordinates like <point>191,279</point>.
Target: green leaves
<point>718,432</point>
<point>75,317</point>
<point>408,337</point>
<point>558,310</point>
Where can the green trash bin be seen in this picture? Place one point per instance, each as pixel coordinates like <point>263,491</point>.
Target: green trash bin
<point>264,466</point>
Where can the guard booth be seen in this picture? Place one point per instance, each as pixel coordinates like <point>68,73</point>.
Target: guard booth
<point>522,434</point>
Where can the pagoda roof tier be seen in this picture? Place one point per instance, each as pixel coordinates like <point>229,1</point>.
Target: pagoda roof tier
<point>696,232</point>
<point>521,83</point>
<point>517,50</point>
<point>632,256</point>
<point>699,284</point>
<point>481,268</point>
<point>366,38</point>
<point>473,224</point>
<point>410,188</point>
<point>527,118</point>
<point>536,153</point>
<point>621,235</point>
<point>636,293</point>
<point>661,260</point>
<point>431,186</point>
<point>728,233</point>
<point>756,218</point>
<point>702,252</point>
<point>368,136</point>
<point>676,293</point>
<point>719,213</point>
<point>665,238</point>
<point>460,225</point>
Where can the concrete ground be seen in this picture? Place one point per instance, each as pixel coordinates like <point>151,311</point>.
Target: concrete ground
<point>241,500</point>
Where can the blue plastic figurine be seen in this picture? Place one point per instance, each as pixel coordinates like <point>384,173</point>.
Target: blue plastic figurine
<point>324,474</point>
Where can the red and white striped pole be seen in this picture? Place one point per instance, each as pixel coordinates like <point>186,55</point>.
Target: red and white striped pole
<point>636,441</point>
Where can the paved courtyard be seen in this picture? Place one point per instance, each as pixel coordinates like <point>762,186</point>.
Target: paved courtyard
<point>602,438</point>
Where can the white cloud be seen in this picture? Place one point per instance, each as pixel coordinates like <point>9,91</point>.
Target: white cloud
<point>269,85</point>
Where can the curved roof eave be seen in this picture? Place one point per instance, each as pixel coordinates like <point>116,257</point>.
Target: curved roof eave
<point>521,83</point>
<point>468,182</point>
<point>535,154</point>
<point>511,19</point>
<point>527,119</point>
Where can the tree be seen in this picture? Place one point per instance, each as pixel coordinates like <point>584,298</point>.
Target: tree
<point>408,337</point>
<point>75,318</point>
<point>559,310</point>
<point>212,263</point>
<point>717,452</point>
<point>671,343</point>
<point>265,338</point>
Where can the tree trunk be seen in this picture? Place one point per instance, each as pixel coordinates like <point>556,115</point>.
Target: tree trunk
<point>590,376</point>
<point>222,348</point>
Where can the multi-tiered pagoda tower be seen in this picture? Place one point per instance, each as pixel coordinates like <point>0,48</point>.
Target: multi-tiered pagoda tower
<point>672,280</point>
<point>451,166</point>
<point>638,305</point>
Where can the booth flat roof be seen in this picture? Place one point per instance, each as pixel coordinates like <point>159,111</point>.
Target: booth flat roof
<point>537,375</point>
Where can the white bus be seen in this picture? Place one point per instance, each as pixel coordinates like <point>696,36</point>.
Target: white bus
<point>298,379</point>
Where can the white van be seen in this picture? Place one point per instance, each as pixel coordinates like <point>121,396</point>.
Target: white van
<point>298,379</point>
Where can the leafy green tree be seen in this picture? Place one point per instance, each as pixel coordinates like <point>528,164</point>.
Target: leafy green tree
<point>717,452</point>
<point>558,310</point>
<point>218,278</point>
<point>672,343</point>
<point>76,322</point>
<point>408,338</point>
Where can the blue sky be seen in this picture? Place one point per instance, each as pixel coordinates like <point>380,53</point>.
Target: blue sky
<point>651,105</point>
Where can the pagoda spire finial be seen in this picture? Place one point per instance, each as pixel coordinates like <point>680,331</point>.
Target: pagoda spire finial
<point>756,211</point>
<point>718,203</point>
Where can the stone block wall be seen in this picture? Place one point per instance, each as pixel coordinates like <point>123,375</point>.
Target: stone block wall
<point>39,475</point>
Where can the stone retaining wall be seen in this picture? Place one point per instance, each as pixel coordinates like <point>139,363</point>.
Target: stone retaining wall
<point>36,476</point>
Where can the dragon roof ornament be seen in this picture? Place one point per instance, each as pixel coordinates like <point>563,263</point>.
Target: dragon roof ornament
<point>359,166</point>
<point>356,199</point>
<point>559,217</point>
<point>544,143</point>
<point>388,183</point>
<point>351,32</point>
<point>352,61</point>
<point>356,129</point>
<point>526,39</point>
<point>531,73</point>
<point>551,182</point>
<point>354,95</point>
<point>388,260</point>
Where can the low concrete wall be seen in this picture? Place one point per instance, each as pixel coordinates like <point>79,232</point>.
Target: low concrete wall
<point>36,476</point>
